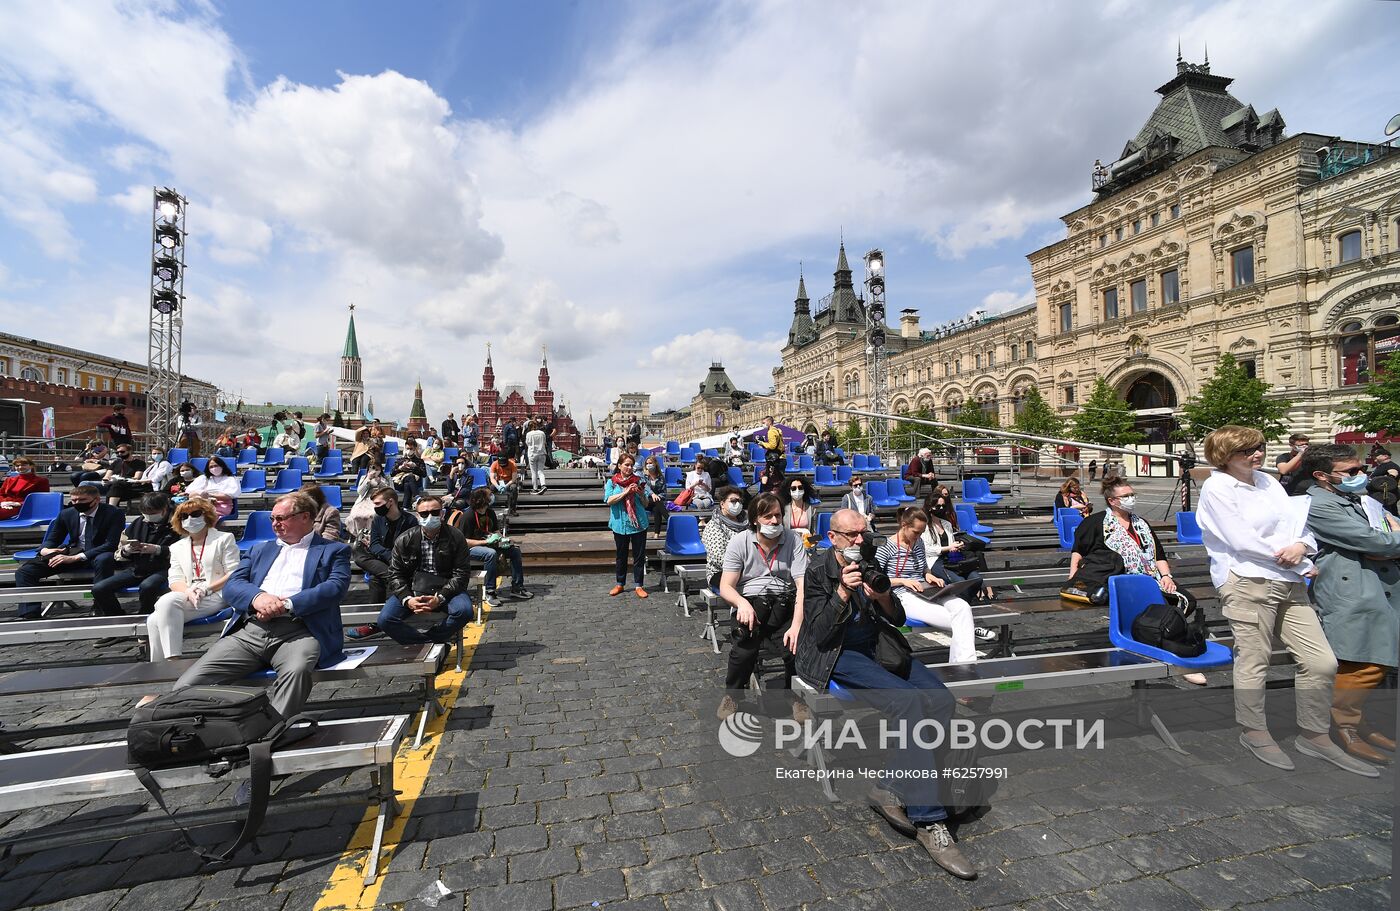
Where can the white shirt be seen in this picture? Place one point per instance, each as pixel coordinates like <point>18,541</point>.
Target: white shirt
<point>157,473</point>
<point>227,486</point>
<point>1244,524</point>
<point>535,443</point>
<point>698,478</point>
<point>285,577</point>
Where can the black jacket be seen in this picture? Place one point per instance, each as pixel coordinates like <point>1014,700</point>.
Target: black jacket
<point>450,429</point>
<point>824,619</point>
<point>450,552</point>
<point>143,532</point>
<point>104,531</point>
<point>383,533</point>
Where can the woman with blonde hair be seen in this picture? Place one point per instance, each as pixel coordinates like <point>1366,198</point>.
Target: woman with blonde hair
<point>1259,562</point>
<point>200,564</point>
<point>1071,496</point>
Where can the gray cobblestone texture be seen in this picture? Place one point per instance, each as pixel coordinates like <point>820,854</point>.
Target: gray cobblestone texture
<point>580,769</point>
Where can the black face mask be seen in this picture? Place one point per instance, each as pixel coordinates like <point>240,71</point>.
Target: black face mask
<point>82,507</point>
<point>381,510</point>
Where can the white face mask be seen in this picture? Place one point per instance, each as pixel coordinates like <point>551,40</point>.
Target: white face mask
<point>193,524</point>
<point>216,470</point>
<point>770,531</point>
<point>798,494</point>
<point>1127,503</point>
<point>734,509</point>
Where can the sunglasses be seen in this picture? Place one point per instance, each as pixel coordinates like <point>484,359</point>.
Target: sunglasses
<point>1353,471</point>
<point>431,512</point>
<point>1250,450</point>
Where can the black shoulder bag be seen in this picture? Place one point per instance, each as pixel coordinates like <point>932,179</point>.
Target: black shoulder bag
<point>213,724</point>
<point>1177,628</point>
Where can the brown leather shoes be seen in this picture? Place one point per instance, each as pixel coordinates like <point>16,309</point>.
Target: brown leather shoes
<point>892,809</point>
<point>615,591</point>
<point>639,592</point>
<point>1377,739</point>
<point>939,844</point>
<point>1353,743</point>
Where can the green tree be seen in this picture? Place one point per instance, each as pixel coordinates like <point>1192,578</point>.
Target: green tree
<point>1038,419</point>
<point>1380,412</point>
<point>905,434</point>
<point>1231,397</point>
<point>854,438</point>
<point>1105,419</point>
<point>972,415</point>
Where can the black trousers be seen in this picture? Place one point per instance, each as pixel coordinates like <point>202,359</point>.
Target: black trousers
<point>636,543</point>
<point>378,574</point>
<point>110,581</point>
<point>745,652</point>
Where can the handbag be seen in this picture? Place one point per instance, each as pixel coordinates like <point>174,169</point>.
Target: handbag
<point>212,724</point>
<point>425,583</point>
<point>1174,628</point>
<point>892,650</point>
<point>971,544</point>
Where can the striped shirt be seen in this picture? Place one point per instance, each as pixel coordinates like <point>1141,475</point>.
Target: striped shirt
<point>901,563</point>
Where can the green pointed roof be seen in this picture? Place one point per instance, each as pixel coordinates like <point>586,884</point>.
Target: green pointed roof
<point>418,411</point>
<point>352,344</point>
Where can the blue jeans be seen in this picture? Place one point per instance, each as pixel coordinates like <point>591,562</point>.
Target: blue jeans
<point>489,557</point>
<point>922,696</point>
<point>392,617</point>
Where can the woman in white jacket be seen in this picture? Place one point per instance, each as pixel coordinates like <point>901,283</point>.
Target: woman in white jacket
<point>200,564</point>
<point>219,484</point>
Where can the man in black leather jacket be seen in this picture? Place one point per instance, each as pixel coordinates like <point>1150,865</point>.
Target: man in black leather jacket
<point>842,621</point>
<point>430,572</point>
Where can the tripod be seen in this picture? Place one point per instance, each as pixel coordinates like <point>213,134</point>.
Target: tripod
<point>1181,494</point>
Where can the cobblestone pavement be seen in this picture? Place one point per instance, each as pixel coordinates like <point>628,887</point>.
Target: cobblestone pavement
<point>579,769</point>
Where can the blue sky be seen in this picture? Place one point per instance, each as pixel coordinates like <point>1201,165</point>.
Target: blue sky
<point>633,185</point>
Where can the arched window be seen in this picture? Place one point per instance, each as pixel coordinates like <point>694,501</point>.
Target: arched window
<point>31,374</point>
<point>1030,350</point>
<point>1349,247</point>
<point>1015,352</point>
<point>1151,390</point>
<point>1361,351</point>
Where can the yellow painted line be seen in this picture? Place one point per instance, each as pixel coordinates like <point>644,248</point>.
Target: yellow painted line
<point>346,890</point>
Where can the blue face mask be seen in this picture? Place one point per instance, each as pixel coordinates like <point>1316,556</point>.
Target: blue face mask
<point>1354,484</point>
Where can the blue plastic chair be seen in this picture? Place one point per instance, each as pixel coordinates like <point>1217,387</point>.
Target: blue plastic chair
<point>391,447</point>
<point>675,477</point>
<point>178,456</point>
<point>977,490</point>
<point>275,455</point>
<point>736,477</point>
<point>450,452</point>
<point>258,529</point>
<point>480,476</point>
<point>389,462</point>
<point>301,463</point>
<point>711,453</point>
<point>683,536</point>
<point>757,454</point>
<point>805,465</point>
<point>248,456</point>
<point>899,491</point>
<point>843,474</point>
<point>288,481</point>
<point>825,477</point>
<point>254,480</point>
<point>334,495</point>
<point>37,509</point>
<point>1065,525</point>
<point>1187,530</point>
<point>199,464</point>
<point>858,462</point>
<point>688,456</point>
<point>673,447</point>
<point>332,467</point>
<point>984,487</point>
<point>823,526</point>
<point>791,464</point>
<point>967,519</point>
<point>1129,596</point>
<point>879,494</point>
<point>222,616</point>
<point>841,452</point>
<point>1062,513</point>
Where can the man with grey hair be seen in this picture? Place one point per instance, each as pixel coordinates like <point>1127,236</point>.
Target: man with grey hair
<point>921,472</point>
<point>287,595</point>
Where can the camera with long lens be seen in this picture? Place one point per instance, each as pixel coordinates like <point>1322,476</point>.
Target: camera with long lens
<point>870,572</point>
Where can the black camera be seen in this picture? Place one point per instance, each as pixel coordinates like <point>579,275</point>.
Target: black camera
<point>870,572</point>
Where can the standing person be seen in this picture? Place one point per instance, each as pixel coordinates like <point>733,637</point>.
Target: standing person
<point>201,562</point>
<point>1289,462</point>
<point>117,426</point>
<point>763,576</point>
<point>550,426</point>
<point>1384,484</point>
<point>505,482</point>
<point>450,430</point>
<point>471,438</point>
<point>634,432</point>
<point>15,488</point>
<point>287,594</point>
<point>510,439</point>
<point>842,621</point>
<point>1355,590</point>
<point>921,472</point>
<point>771,439</point>
<point>537,451</point>
<point>482,530</point>
<point>141,559</point>
<point>325,437</point>
<point>905,561</point>
<point>1071,496</point>
<point>625,494</point>
<point>187,428</point>
<point>431,571</point>
<point>85,530</point>
<point>1259,564</point>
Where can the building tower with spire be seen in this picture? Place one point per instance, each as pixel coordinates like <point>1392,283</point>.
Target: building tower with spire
<point>802,329</point>
<point>350,392</point>
<point>493,408</point>
<point>418,415</point>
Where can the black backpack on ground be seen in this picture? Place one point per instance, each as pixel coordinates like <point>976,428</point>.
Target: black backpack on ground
<point>213,724</point>
<point>1179,630</point>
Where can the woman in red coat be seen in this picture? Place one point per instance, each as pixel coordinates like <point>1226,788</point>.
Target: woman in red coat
<point>15,488</point>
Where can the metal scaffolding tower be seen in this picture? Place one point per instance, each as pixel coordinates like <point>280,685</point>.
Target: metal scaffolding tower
<point>163,360</point>
<point>876,361</point>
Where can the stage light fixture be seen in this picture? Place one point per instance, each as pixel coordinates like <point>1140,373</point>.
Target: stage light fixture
<point>168,236</point>
<point>166,268</point>
<point>165,301</point>
<point>168,204</point>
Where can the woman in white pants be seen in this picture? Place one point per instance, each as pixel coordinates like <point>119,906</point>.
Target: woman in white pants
<point>903,559</point>
<point>200,563</point>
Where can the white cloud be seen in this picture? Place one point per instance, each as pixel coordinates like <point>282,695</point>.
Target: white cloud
<point>1002,301</point>
<point>683,361</point>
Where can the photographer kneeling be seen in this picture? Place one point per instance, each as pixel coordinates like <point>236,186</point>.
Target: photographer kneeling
<point>762,580</point>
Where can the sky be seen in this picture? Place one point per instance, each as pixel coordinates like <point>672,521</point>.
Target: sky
<point>632,185</point>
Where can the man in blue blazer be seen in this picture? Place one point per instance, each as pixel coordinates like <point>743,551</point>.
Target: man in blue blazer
<point>287,594</point>
<point>83,531</point>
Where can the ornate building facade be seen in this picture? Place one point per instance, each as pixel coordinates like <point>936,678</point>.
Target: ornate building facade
<point>493,408</point>
<point>1213,232</point>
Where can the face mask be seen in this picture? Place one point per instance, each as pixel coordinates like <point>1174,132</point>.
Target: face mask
<point>1127,502</point>
<point>84,507</point>
<point>193,524</point>
<point>733,509</point>
<point>26,470</point>
<point>216,470</point>
<point>852,554</point>
<point>1354,484</point>
<point>858,490</point>
<point>187,475</point>
<point>381,510</point>
<point>798,494</point>
<point>152,517</point>
<point>430,523</point>
<point>155,457</point>
<point>770,531</point>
